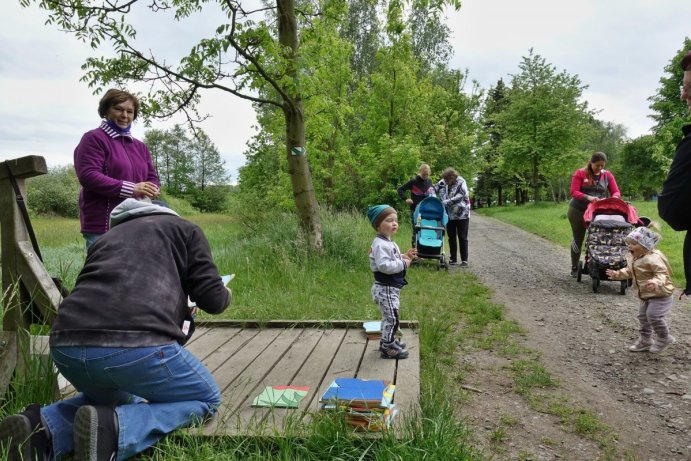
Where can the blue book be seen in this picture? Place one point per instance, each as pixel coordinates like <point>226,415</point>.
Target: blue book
<point>359,391</point>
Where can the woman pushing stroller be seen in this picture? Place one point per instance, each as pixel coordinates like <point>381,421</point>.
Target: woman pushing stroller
<point>588,184</point>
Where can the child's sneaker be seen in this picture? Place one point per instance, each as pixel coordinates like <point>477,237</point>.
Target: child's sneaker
<point>661,344</point>
<point>396,342</point>
<point>643,344</point>
<point>393,352</point>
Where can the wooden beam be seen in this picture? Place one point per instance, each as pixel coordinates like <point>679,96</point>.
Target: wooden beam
<point>8,358</point>
<point>25,167</point>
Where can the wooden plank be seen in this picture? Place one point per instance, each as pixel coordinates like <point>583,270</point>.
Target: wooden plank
<point>286,372</point>
<point>325,324</point>
<point>209,341</point>
<point>229,375</point>
<point>373,366</point>
<point>228,349</point>
<point>407,395</point>
<point>345,363</point>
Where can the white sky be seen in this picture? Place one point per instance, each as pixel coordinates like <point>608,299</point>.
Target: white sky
<point>617,47</point>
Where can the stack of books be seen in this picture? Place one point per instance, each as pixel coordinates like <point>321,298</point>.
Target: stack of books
<point>366,404</point>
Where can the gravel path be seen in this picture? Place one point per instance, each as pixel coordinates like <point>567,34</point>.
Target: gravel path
<point>583,338</point>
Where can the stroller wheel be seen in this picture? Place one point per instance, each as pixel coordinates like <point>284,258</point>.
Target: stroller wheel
<point>596,284</point>
<point>624,285</point>
<point>580,271</point>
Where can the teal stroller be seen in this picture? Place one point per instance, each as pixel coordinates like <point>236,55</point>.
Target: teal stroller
<point>430,227</point>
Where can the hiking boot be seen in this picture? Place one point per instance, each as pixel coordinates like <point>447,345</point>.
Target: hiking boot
<point>662,343</point>
<point>643,344</point>
<point>23,435</point>
<point>393,352</point>
<point>95,433</point>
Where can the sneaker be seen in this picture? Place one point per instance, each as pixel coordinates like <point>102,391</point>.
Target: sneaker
<point>23,435</point>
<point>662,343</point>
<point>396,342</point>
<point>95,433</point>
<point>452,263</point>
<point>464,263</point>
<point>643,344</point>
<point>574,272</point>
<point>394,352</point>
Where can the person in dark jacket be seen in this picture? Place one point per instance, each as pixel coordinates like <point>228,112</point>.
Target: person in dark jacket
<point>674,202</point>
<point>420,187</point>
<point>112,165</point>
<point>118,340</point>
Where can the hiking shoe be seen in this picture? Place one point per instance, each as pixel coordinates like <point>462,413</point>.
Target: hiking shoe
<point>95,433</point>
<point>464,263</point>
<point>643,344</point>
<point>662,343</point>
<point>23,435</point>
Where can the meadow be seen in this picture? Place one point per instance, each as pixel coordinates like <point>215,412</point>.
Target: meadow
<point>277,278</point>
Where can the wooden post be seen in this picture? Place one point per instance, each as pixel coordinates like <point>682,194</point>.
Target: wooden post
<point>25,280</point>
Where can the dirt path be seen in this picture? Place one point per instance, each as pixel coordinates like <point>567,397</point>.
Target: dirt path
<point>583,338</point>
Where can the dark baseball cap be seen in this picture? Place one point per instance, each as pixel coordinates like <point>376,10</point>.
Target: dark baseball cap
<point>686,61</point>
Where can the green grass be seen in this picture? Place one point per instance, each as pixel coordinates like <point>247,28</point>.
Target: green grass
<point>276,278</point>
<point>548,220</point>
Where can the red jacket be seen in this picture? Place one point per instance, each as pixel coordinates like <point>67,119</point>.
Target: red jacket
<point>579,181</point>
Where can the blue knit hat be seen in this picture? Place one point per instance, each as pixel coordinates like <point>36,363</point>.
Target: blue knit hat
<point>377,213</point>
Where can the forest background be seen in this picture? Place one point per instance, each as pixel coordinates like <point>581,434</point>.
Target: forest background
<point>377,96</point>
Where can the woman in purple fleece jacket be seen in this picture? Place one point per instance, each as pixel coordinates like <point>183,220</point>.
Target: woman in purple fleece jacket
<point>111,165</point>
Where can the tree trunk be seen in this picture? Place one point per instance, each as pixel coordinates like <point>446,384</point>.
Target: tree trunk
<point>298,169</point>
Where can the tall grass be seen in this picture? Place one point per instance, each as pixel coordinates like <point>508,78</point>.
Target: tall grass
<point>549,220</point>
<point>277,278</point>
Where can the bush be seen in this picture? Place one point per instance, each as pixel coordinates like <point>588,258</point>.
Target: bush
<point>56,193</point>
<point>212,199</point>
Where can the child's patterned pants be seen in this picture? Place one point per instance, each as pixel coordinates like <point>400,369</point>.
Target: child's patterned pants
<point>388,300</point>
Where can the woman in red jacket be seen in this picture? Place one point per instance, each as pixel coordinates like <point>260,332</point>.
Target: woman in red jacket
<point>588,184</point>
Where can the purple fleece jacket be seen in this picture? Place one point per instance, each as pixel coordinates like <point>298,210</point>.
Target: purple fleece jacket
<point>108,165</point>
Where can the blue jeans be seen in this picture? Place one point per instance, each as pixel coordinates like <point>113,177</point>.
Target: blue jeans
<point>154,391</point>
<point>90,239</point>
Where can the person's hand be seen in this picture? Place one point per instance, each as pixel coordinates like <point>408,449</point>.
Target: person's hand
<point>411,253</point>
<point>193,311</point>
<point>651,285</point>
<point>409,201</point>
<point>146,189</point>
<point>609,273</point>
<point>592,199</point>
<point>406,260</point>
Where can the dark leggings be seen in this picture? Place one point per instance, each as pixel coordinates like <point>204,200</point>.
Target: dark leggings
<point>687,263</point>
<point>458,228</point>
<point>578,230</point>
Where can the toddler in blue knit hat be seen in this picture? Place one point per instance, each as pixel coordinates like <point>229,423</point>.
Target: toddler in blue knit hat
<point>389,266</point>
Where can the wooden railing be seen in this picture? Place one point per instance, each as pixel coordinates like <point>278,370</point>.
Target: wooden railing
<point>27,289</point>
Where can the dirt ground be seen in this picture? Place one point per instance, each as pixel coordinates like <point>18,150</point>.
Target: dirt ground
<point>583,338</point>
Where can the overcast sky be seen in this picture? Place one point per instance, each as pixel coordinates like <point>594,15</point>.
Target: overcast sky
<point>618,48</point>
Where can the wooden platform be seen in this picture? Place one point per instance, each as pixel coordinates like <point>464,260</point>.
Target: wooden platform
<point>245,358</point>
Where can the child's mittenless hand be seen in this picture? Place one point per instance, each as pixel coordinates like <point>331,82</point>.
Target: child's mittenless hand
<point>411,253</point>
<point>609,273</point>
<point>651,285</point>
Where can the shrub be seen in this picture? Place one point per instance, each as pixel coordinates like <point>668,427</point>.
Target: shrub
<point>56,193</point>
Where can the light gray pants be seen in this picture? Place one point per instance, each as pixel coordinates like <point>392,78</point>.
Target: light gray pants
<point>651,316</point>
<point>388,299</point>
